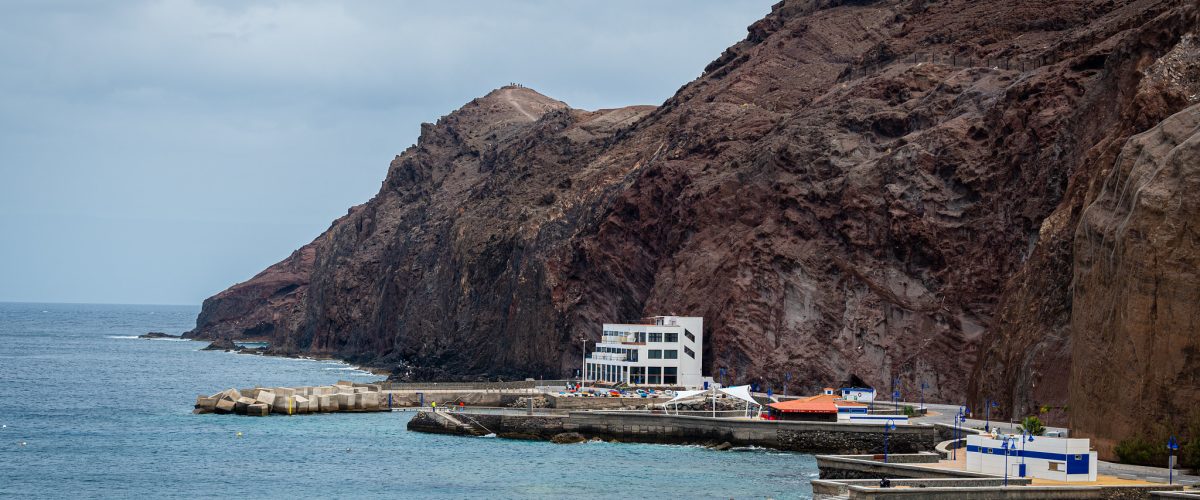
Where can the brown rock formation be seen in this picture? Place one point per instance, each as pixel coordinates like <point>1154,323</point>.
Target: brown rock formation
<point>1136,351</point>
<point>870,189</point>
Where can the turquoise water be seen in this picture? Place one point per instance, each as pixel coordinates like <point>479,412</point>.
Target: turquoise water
<point>102,414</point>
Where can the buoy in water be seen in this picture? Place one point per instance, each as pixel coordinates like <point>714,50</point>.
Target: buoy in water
<point>239,434</point>
<point>22,443</point>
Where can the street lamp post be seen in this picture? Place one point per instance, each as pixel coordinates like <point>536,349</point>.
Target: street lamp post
<point>923,387</point>
<point>1172,445</point>
<point>895,391</point>
<point>1007,443</point>
<point>887,426</point>
<point>1026,437</point>
<point>787,377</point>
<point>959,419</point>
<point>583,367</point>
<point>987,425</point>
<point>954,438</point>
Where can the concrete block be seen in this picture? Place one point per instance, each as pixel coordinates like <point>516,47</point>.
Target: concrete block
<point>284,392</point>
<point>327,402</point>
<point>257,410</point>
<point>370,400</point>
<point>240,405</point>
<point>344,383</point>
<point>345,401</point>
<point>281,405</point>
<point>265,397</point>
<point>232,394</point>
<point>206,403</point>
<point>224,406</point>
<point>301,404</point>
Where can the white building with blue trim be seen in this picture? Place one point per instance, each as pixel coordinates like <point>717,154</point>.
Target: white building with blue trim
<point>1058,459</point>
<point>861,394</point>
<point>656,351</point>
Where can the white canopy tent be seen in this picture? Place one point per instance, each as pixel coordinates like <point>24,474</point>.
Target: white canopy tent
<point>741,392</point>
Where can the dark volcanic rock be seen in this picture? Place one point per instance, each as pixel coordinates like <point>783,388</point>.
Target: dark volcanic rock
<point>872,190</point>
<point>568,438</point>
<point>157,335</point>
<point>221,344</point>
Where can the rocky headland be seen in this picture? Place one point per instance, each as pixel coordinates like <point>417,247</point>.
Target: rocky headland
<point>990,199</point>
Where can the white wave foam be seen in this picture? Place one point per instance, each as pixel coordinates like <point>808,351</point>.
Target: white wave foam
<point>121,336</point>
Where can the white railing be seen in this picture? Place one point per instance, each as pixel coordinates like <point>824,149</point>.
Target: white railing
<point>617,339</point>
<point>609,356</point>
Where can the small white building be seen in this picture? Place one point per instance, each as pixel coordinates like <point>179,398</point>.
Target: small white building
<point>1057,459</point>
<point>861,394</point>
<point>660,350</point>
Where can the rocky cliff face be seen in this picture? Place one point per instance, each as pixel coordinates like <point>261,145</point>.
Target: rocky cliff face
<point>1137,285</point>
<point>882,190</point>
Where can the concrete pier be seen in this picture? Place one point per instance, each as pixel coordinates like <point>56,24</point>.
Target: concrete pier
<point>813,437</point>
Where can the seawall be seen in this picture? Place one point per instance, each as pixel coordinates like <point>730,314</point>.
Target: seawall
<point>811,437</point>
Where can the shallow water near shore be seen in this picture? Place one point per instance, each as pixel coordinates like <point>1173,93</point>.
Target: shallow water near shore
<point>102,414</point>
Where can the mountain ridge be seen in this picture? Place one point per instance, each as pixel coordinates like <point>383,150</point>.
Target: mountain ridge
<point>858,190</point>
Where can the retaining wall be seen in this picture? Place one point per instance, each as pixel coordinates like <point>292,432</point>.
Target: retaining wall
<point>825,488</point>
<point>1001,493</point>
<point>812,437</point>
<point>578,403</point>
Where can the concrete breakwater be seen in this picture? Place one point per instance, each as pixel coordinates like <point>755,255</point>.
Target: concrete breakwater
<point>812,437</point>
<point>261,401</point>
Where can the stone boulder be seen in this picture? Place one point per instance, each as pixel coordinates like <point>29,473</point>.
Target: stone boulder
<point>568,438</point>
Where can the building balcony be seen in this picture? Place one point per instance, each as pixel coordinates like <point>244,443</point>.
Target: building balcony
<point>608,356</point>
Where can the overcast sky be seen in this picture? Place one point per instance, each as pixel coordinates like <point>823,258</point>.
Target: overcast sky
<point>156,152</point>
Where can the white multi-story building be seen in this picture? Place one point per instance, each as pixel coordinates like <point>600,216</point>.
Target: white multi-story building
<point>660,350</point>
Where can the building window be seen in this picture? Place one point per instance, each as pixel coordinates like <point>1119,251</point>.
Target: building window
<point>641,337</point>
<point>632,354</point>
<point>655,376</point>
<point>671,354</point>
<point>671,337</point>
<point>655,354</point>
<point>1056,466</point>
<point>689,335</point>
<point>689,352</point>
<point>637,374</point>
<point>656,336</point>
<point>670,375</point>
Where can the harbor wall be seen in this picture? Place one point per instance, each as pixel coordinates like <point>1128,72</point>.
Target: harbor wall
<point>812,437</point>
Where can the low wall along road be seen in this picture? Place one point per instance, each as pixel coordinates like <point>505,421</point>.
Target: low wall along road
<point>813,437</point>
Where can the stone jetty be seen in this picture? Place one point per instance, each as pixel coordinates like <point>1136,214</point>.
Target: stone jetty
<point>262,401</point>
<point>629,426</point>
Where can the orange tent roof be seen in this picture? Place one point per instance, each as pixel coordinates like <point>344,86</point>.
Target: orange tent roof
<point>805,406</point>
<point>822,403</point>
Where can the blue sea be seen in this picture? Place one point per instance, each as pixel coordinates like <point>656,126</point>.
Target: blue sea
<point>87,410</point>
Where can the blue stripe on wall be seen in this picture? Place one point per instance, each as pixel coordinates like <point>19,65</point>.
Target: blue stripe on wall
<point>1074,466</point>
